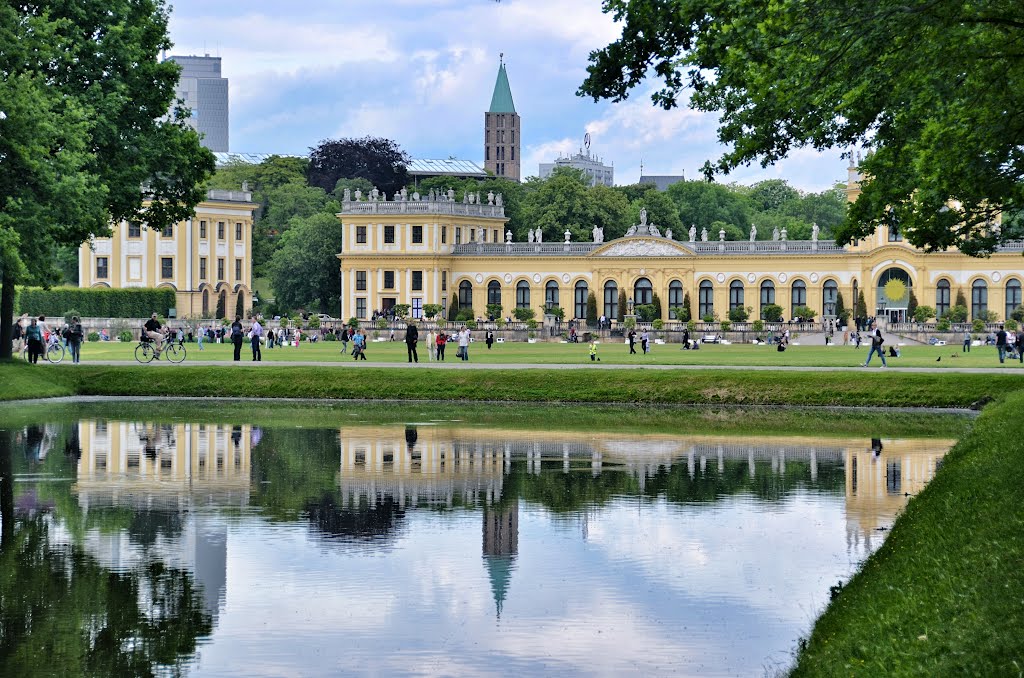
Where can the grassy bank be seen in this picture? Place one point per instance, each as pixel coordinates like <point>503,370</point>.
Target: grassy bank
<point>944,595</point>
<point>871,389</point>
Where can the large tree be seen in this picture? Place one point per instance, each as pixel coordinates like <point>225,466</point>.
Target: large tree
<point>379,161</point>
<point>304,270</point>
<point>930,89</point>
<point>84,140</point>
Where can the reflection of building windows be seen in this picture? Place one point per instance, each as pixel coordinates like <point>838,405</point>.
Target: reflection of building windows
<point>166,267</point>
<point>417,281</point>
<point>893,477</point>
<point>361,281</point>
<point>361,308</point>
<point>389,280</point>
<point>361,235</point>
<point>102,269</point>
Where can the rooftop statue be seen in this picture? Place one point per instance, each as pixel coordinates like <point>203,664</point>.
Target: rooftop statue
<point>753,233</point>
<point>704,234</point>
<point>693,233</point>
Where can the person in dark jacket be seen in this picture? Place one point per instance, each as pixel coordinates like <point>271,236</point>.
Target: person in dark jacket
<point>412,336</point>
<point>75,334</point>
<point>237,336</point>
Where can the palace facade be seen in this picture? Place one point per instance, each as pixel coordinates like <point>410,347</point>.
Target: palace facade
<point>432,249</point>
<point>206,260</point>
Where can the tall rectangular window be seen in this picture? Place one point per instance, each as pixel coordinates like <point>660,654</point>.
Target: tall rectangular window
<point>220,230</point>
<point>417,307</point>
<point>134,229</point>
<point>238,231</point>
<point>166,267</point>
<point>458,235</point>
<point>417,281</point>
<point>238,269</point>
<point>202,229</point>
<point>102,267</point>
<point>361,235</point>
<point>202,268</point>
<point>417,235</point>
<point>389,280</point>
<point>167,231</point>
<point>444,235</point>
<point>361,308</point>
<point>220,269</point>
<point>389,235</point>
<point>444,281</point>
<point>361,281</point>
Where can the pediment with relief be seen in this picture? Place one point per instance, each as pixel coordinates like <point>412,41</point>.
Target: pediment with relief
<point>641,247</point>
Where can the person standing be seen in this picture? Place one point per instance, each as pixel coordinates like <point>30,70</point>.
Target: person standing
<point>1019,345</point>
<point>75,336</point>
<point>34,341</point>
<point>645,342</point>
<point>18,336</point>
<point>1001,343</point>
<point>412,337</point>
<point>593,351</point>
<point>632,341</point>
<point>344,341</point>
<point>876,347</point>
<point>967,341</point>
<point>464,343</point>
<point>236,337</point>
<point>490,339</point>
<point>362,344</point>
<point>256,336</point>
<point>442,340</point>
<point>431,345</point>
<point>686,339</point>
<point>200,335</point>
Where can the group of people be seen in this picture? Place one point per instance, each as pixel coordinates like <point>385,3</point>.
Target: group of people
<point>1010,344</point>
<point>33,336</point>
<point>645,341</point>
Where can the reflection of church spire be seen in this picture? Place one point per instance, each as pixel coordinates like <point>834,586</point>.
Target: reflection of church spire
<point>501,543</point>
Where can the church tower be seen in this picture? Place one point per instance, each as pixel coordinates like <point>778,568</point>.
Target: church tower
<point>502,136</point>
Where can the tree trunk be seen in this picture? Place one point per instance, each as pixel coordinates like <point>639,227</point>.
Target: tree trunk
<point>6,313</point>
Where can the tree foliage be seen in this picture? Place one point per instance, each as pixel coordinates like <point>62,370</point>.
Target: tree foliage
<point>931,90</point>
<point>379,161</point>
<point>84,98</point>
<point>304,270</point>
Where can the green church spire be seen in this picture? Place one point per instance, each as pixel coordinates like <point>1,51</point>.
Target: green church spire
<point>501,100</point>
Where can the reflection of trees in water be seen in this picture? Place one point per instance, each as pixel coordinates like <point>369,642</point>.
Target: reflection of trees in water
<point>291,468</point>
<point>63,613</point>
<point>145,527</point>
<point>363,521</point>
<point>676,484</point>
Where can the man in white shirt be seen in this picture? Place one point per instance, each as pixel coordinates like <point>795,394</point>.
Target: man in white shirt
<point>256,334</point>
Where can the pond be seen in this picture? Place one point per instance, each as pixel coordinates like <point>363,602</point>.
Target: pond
<point>248,539</point>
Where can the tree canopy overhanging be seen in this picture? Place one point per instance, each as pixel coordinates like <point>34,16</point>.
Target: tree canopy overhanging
<point>85,139</point>
<point>930,88</point>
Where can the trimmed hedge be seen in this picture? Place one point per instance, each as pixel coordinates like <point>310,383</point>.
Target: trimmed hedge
<point>95,302</point>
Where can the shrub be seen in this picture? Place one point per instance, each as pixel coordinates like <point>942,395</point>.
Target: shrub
<point>353,322</point>
<point>402,311</point>
<point>524,314</point>
<point>978,325</point>
<point>726,325</point>
<point>772,312</point>
<point>380,323</point>
<point>464,315</point>
<point>957,314</point>
<point>622,306</point>
<point>471,324</point>
<point>658,324</point>
<point>93,336</point>
<point>531,324</point>
<point>990,316</point>
<point>556,311</point>
<point>687,309</point>
<point>125,335</point>
<point>656,303</point>
<point>944,325</point>
<point>629,323</point>
<point>1018,314</point>
<point>431,311</point>
<point>1011,324</point>
<point>94,302</point>
<point>923,314</point>
<point>453,309</point>
<point>805,312</point>
<point>591,309</point>
<point>691,325</point>
<point>330,337</point>
<point>314,322</point>
<point>500,322</point>
<point>708,318</point>
<point>494,310</point>
<point>646,312</point>
<point>739,314</point>
<point>68,315</point>
<point>758,325</point>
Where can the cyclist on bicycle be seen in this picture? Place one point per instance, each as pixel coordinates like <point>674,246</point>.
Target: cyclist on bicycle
<point>153,330</point>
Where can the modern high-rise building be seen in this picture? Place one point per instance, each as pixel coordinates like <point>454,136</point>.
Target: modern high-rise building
<point>502,131</point>
<point>596,171</point>
<point>205,92</point>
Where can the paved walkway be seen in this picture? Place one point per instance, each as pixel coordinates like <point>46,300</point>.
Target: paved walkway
<point>460,365</point>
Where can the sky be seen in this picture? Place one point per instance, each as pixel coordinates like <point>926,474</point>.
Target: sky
<point>421,72</point>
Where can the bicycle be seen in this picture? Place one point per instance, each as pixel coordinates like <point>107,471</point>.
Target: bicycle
<point>54,351</point>
<point>145,352</point>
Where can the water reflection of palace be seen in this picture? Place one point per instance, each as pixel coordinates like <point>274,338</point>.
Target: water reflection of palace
<point>163,472</point>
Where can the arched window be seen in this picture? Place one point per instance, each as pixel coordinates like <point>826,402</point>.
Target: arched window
<point>206,303</point>
<point>611,300</point>
<point>797,296</point>
<point>885,292</point>
<point>767,295</point>
<point>582,292</point>
<point>675,298</point>
<point>706,299</point>
<point>494,292</point>
<point>1012,297</point>
<point>942,298</point>
<point>465,295</point>
<point>830,293</point>
<point>551,294</point>
<point>735,295</point>
<point>979,299</point>
<point>642,292</point>
<point>522,294</point>
<point>856,297</point>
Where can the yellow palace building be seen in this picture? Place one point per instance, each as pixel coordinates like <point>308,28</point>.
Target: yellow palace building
<point>430,249</point>
<point>206,260</point>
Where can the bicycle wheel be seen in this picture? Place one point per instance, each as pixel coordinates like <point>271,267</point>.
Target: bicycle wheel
<point>144,353</point>
<point>55,353</point>
<point>175,353</point>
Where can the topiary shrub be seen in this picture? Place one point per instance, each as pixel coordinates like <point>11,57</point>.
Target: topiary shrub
<point>943,325</point>
<point>758,325</point>
<point>93,336</point>
<point>726,325</point>
<point>125,335</point>
<point>1011,324</point>
<point>471,324</point>
<point>658,324</point>
<point>978,325</point>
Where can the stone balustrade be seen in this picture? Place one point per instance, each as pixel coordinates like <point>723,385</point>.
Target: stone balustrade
<point>353,207</point>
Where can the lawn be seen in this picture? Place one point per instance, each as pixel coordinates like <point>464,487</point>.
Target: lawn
<point>610,354</point>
